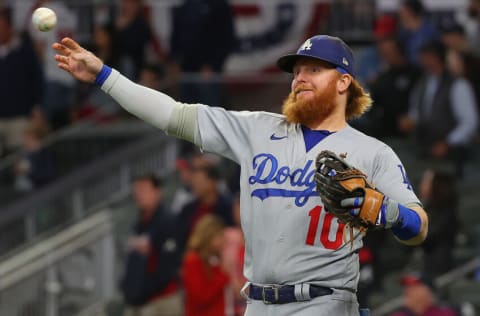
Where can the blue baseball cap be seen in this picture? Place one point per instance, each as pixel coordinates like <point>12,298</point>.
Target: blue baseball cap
<point>324,47</point>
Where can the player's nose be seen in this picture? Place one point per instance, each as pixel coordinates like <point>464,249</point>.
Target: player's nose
<point>300,83</point>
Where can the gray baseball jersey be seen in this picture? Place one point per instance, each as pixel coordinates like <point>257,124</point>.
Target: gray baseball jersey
<point>289,237</point>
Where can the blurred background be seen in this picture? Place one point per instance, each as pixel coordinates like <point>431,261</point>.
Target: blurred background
<point>97,209</point>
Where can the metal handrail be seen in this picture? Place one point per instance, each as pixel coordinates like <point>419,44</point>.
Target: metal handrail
<point>19,267</point>
<point>458,272</point>
<point>90,187</point>
<point>82,129</point>
<point>41,265</point>
<point>440,282</point>
<point>7,161</point>
<point>19,209</point>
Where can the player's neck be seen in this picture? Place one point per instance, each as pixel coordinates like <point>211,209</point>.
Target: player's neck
<point>332,123</point>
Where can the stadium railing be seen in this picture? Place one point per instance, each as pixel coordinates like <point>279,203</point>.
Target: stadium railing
<point>71,148</point>
<point>63,274</point>
<point>88,188</point>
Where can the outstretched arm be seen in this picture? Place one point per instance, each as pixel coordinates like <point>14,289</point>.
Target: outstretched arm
<point>152,106</point>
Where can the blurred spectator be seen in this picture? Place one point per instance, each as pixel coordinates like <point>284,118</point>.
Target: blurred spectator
<point>440,198</point>
<point>135,34</point>
<point>464,64</point>
<point>21,82</point>
<point>207,200</point>
<point>233,255</point>
<point>59,87</point>
<point>95,104</point>
<point>150,285</point>
<point>372,268</point>
<point>367,277</point>
<point>419,299</point>
<point>204,279</point>
<point>391,88</point>
<point>201,160</point>
<point>37,118</point>
<point>37,167</point>
<point>202,39</point>
<point>453,36</point>
<point>442,109</point>
<point>385,26</point>
<point>416,29</point>
<point>151,75</point>
<point>106,45</point>
<point>368,64</point>
<point>183,195</point>
<point>474,33</point>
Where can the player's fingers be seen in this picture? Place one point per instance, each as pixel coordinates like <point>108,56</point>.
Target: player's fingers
<point>71,44</point>
<point>352,202</point>
<point>61,59</point>
<point>79,57</point>
<point>320,162</point>
<point>324,169</point>
<point>64,67</point>
<point>61,49</point>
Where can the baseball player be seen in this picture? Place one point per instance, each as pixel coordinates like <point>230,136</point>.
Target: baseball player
<point>311,185</point>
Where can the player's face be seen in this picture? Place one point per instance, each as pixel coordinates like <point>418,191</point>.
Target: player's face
<point>313,92</point>
<point>310,76</point>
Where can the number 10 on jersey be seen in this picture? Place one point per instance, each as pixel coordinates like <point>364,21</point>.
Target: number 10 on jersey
<point>325,229</point>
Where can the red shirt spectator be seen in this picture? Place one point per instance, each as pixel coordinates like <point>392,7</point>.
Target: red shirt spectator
<point>204,287</point>
<point>204,278</point>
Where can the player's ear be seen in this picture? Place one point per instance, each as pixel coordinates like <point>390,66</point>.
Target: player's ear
<point>344,82</point>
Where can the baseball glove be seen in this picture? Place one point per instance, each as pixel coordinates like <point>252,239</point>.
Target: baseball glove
<point>346,193</point>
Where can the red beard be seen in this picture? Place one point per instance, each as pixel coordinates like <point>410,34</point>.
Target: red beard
<point>313,110</point>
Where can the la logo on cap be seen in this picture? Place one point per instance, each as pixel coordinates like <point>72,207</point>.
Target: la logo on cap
<point>307,45</point>
<point>345,61</point>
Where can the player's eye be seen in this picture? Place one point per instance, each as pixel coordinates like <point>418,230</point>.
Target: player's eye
<point>307,70</point>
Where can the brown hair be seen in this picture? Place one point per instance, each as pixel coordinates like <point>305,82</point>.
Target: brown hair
<point>358,101</point>
<point>203,232</point>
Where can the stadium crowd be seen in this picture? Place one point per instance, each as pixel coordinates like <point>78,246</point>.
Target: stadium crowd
<point>185,257</point>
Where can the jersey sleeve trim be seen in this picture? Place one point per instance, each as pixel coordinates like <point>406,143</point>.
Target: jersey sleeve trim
<point>183,122</point>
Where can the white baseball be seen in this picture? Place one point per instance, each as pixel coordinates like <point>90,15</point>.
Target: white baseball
<point>44,19</point>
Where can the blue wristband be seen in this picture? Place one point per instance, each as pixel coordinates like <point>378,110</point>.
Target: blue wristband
<point>408,225</point>
<point>103,75</point>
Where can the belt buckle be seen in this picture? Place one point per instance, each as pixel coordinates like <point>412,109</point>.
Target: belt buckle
<point>275,294</point>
